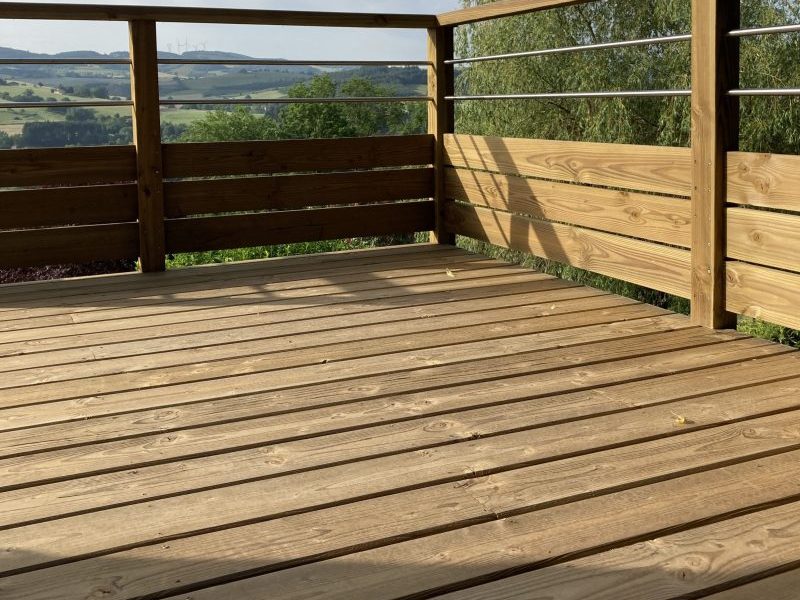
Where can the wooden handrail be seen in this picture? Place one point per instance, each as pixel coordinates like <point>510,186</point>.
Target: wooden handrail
<point>89,12</point>
<point>501,8</point>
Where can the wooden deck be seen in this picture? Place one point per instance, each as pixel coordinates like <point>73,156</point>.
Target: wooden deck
<point>398,423</point>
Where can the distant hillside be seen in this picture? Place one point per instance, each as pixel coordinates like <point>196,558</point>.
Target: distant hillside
<point>182,70</point>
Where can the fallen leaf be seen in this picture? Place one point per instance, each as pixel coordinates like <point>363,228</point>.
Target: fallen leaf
<point>450,274</point>
<point>680,420</point>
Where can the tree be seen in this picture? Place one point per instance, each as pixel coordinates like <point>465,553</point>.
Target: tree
<point>329,120</point>
<point>239,124</point>
<point>6,141</point>
<point>769,61</point>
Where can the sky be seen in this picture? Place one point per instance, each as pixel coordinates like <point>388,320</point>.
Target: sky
<point>300,43</point>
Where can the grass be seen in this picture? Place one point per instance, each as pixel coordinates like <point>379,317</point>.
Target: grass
<point>181,116</point>
<point>227,256</point>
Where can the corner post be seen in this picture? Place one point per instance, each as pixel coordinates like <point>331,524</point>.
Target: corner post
<point>715,132</point>
<point>441,118</point>
<point>147,139</point>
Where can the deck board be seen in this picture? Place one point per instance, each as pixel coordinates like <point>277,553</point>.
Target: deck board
<point>401,422</point>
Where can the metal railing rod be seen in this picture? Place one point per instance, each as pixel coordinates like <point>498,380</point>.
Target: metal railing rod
<point>569,49</point>
<point>559,95</point>
<point>71,104</point>
<point>64,61</point>
<point>766,92</point>
<point>764,30</point>
<point>354,100</point>
<point>294,63</point>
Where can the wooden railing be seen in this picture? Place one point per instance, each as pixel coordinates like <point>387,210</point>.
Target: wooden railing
<point>680,220</point>
<point>86,204</point>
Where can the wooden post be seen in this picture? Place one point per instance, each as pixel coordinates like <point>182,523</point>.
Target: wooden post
<point>715,132</point>
<point>147,138</point>
<point>440,117</point>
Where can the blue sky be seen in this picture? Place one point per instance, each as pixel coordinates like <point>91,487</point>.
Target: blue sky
<point>278,42</point>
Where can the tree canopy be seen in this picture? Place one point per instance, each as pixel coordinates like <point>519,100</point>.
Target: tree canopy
<point>770,61</point>
<point>323,120</point>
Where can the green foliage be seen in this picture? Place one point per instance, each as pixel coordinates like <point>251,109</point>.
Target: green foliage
<point>316,120</point>
<point>237,125</point>
<point>259,252</point>
<point>768,124</point>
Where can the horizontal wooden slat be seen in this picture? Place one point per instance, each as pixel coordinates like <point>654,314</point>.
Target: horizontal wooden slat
<point>67,166</point>
<point>217,233</point>
<point>770,180</point>
<point>501,8</point>
<point>663,170</point>
<point>51,207</point>
<point>184,198</point>
<point>643,263</point>
<point>283,156</point>
<point>645,216</point>
<point>783,586</point>
<point>67,245</point>
<point>764,293</point>
<point>88,12</point>
<point>766,238</point>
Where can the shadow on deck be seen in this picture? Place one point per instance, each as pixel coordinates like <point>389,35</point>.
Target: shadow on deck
<point>397,423</point>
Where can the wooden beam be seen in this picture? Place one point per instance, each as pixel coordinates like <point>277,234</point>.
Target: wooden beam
<point>47,167</point>
<point>645,216</point>
<point>441,117</point>
<point>208,159</point>
<point>501,8</point>
<point>67,245</point>
<point>715,131</point>
<point>291,192</point>
<point>89,12</point>
<point>286,227</point>
<point>147,138</point>
<point>663,170</point>
<point>643,263</point>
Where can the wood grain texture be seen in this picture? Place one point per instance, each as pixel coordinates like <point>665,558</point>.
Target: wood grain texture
<point>183,292</point>
<point>38,291</point>
<point>147,140</point>
<point>89,12</point>
<point>768,180</point>
<point>358,295</point>
<point>50,207</point>
<point>67,166</point>
<point>642,168</point>
<point>441,117</point>
<point>645,216</point>
<point>629,382</point>
<point>217,233</point>
<point>715,131</point>
<point>526,538</point>
<point>765,238</point>
<point>286,156</point>
<point>677,565</point>
<point>643,263</point>
<point>186,198</point>
<point>66,245</point>
<point>369,425</point>
<point>359,525</point>
<point>501,8</point>
<point>763,293</point>
<point>778,587</point>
